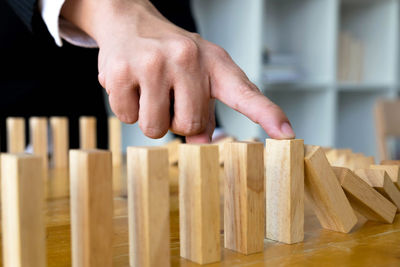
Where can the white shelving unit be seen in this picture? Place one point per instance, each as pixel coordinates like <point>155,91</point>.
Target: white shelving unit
<point>323,109</point>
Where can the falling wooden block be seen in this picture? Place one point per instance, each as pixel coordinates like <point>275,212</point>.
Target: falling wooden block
<point>221,144</point>
<point>148,206</point>
<point>392,170</point>
<point>59,130</point>
<point>114,140</point>
<point>22,198</point>
<point>284,174</point>
<point>360,161</point>
<point>173,150</point>
<point>15,135</point>
<point>244,209</point>
<point>87,132</point>
<point>199,203</point>
<point>38,133</point>
<point>91,207</point>
<point>390,162</point>
<point>363,198</point>
<point>328,200</point>
<point>379,179</point>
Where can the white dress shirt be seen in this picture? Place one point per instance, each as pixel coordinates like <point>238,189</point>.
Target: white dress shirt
<point>60,28</point>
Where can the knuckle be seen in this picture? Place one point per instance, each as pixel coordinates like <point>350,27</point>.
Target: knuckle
<point>190,128</point>
<point>120,73</point>
<point>219,51</point>
<point>128,118</point>
<point>185,52</point>
<point>152,61</point>
<point>151,131</point>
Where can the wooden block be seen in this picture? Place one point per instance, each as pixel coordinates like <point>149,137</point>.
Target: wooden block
<point>23,224</point>
<point>91,207</point>
<point>360,161</point>
<point>148,206</point>
<point>221,144</point>
<point>329,202</point>
<point>379,179</point>
<point>115,140</point>
<point>15,135</point>
<point>173,150</point>
<point>199,203</point>
<point>363,198</point>
<point>392,170</point>
<point>87,132</point>
<point>244,209</point>
<point>59,130</point>
<point>38,133</point>
<point>284,174</point>
<point>390,162</point>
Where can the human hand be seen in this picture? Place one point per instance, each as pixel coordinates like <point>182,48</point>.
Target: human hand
<point>165,77</point>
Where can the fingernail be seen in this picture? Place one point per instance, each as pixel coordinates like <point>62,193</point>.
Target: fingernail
<point>287,131</point>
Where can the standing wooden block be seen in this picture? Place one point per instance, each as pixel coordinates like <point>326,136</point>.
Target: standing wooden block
<point>284,174</point>
<point>148,206</point>
<point>244,209</point>
<point>22,198</point>
<point>15,135</point>
<point>87,132</point>
<point>221,145</point>
<point>392,170</point>
<point>173,150</point>
<point>329,202</point>
<point>390,162</point>
<point>91,207</point>
<point>38,133</point>
<point>363,198</point>
<point>199,203</point>
<point>115,140</point>
<point>59,130</point>
<point>379,179</point>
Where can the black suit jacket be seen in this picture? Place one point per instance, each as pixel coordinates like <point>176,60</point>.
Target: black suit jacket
<point>37,78</point>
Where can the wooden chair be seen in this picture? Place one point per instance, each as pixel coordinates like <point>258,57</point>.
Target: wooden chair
<point>387,122</point>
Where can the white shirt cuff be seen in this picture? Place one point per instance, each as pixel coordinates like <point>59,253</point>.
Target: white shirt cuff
<point>61,28</point>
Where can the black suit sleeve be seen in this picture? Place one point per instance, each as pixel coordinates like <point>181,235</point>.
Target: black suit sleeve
<point>26,10</point>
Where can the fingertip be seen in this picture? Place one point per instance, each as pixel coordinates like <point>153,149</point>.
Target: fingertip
<point>287,131</point>
<point>203,138</point>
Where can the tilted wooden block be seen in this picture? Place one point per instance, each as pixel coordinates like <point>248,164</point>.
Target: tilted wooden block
<point>22,199</point>
<point>363,198</point>
<point>244,209</point>
<point>379,179</point>
<point>115,140</point>
<point>199,203</point>
<point>91,208</point>
<point>173,150</point>
<point>15,135</point>
<point>330,204</point>
<point>59,130</point>
<point>38,134</point>
<point>392,170</point>
<point>87,132</point>
<point>148,206</point>
<point>284,174</point>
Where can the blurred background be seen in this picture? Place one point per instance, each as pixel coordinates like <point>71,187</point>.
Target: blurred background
<point>325,62</point>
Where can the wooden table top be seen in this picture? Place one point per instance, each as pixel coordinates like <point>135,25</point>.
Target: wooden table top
<point>369,244</point>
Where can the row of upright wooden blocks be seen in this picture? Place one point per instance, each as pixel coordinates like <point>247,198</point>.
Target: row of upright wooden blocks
<point>39,135</point>
<point>260,200</point>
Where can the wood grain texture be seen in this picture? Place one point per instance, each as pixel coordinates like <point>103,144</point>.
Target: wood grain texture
<point>38,137</point>
<point>392,170</point>
<point>173,150</point>
<point>199,203</point>
<point>330,204</point>
<point>221,145</point>
<point>379,179</point>
<point>148,206</point>
<point>22,198</point>
<point>115,140</point>
<point>244,209</point>
<point>91,207</point>
<point>15,135</point>
<point>284,174</point>
<point>363,198</point>
<point>60,134</point>
<point>87,132</point>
